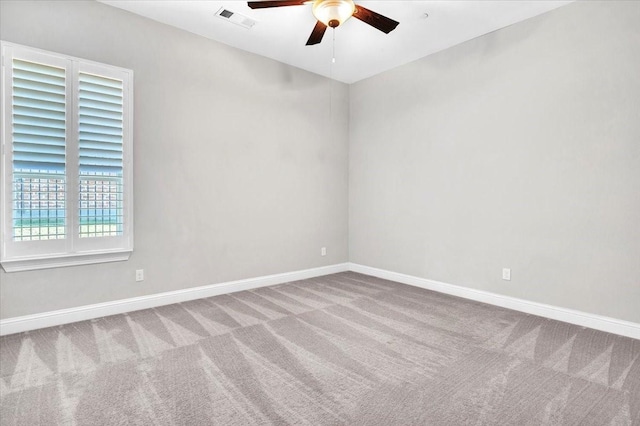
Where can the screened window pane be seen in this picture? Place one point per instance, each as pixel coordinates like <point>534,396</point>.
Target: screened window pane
<point>100,156</point>
<point>39,123</point>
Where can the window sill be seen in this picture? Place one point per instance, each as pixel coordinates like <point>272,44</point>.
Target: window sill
<point>33,263</point>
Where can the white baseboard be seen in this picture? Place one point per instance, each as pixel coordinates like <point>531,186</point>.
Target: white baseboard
<point>66,316</point>
<point>598,322</point>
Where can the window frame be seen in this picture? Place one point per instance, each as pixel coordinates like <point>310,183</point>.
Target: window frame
<point>71,250</point>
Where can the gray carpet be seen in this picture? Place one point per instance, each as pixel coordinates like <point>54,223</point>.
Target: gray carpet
<point>341,349</point>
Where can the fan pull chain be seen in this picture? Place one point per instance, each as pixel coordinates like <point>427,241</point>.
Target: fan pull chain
<point>333,46</point>
<point>333,61</point>
<point>333,52</point>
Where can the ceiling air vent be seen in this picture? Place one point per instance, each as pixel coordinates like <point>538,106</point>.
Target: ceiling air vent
<point>236,18</point>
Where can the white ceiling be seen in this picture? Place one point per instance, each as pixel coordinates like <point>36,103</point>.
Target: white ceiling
<point>360,50</point>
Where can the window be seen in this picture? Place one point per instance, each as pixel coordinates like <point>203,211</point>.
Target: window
<point>66,192</point>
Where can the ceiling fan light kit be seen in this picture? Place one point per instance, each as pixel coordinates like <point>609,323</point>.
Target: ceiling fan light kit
<point>332,13</point>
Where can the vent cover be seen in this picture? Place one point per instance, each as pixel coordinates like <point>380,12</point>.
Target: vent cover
<point>236,18</point>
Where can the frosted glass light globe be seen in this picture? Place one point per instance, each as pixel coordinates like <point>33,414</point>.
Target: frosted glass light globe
<point>333,12</point>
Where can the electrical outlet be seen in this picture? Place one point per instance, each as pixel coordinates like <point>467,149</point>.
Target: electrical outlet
<point>506,274</point>
<point>139,274</point>
<point>323,251</point>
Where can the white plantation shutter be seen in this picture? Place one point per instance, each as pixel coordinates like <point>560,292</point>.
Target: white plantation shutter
<point>100,144</point>
<point>39,133</point>
<point>66,188</point>
<point>100,125</point>
<point>38,118</point>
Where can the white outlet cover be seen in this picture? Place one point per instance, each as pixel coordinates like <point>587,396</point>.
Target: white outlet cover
<point>506,274</point>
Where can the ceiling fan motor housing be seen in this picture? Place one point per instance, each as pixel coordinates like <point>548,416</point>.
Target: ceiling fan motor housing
<point>333,12</point>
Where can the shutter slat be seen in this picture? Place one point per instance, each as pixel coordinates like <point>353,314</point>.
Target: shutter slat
<point>38,139</point>
<point>100,88</point>
<point>33,121</point>
<point>100,153</point>
<point>86,136</point>
<point>39,166</point>
<point>28,129</point>
<point>38,77</point>
<point>24,148</point>
<point>44,157</point>
<point>102,81</point>
<point>36,86</point>
<point>101,121</point>
<point>97,112</point>
<point>107,170</point>
<point>38,112</point>
<point>101,97</point>
<point>100,161</point>
<point>101,130</point>
<point>19,64</point>
<point>89,103</point>
<point>36,95</point>
<point>104,146</point>
<point>39,104</point>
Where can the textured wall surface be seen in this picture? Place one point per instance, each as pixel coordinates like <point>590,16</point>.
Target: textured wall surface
<point>235,176</point>
<point>519,149</point>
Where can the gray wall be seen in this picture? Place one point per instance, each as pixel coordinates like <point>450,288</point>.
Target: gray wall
<point>235,176</point>
<point>518,149</point>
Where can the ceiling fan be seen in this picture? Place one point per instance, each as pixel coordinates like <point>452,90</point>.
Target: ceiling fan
<point>332,13</point>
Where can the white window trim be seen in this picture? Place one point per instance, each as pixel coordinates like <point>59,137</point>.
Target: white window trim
<point>69,251</point>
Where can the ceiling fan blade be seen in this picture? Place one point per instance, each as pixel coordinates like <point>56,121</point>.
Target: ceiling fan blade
<point>380,22</point>
<point>317,34</point>
<point>276,3</point>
